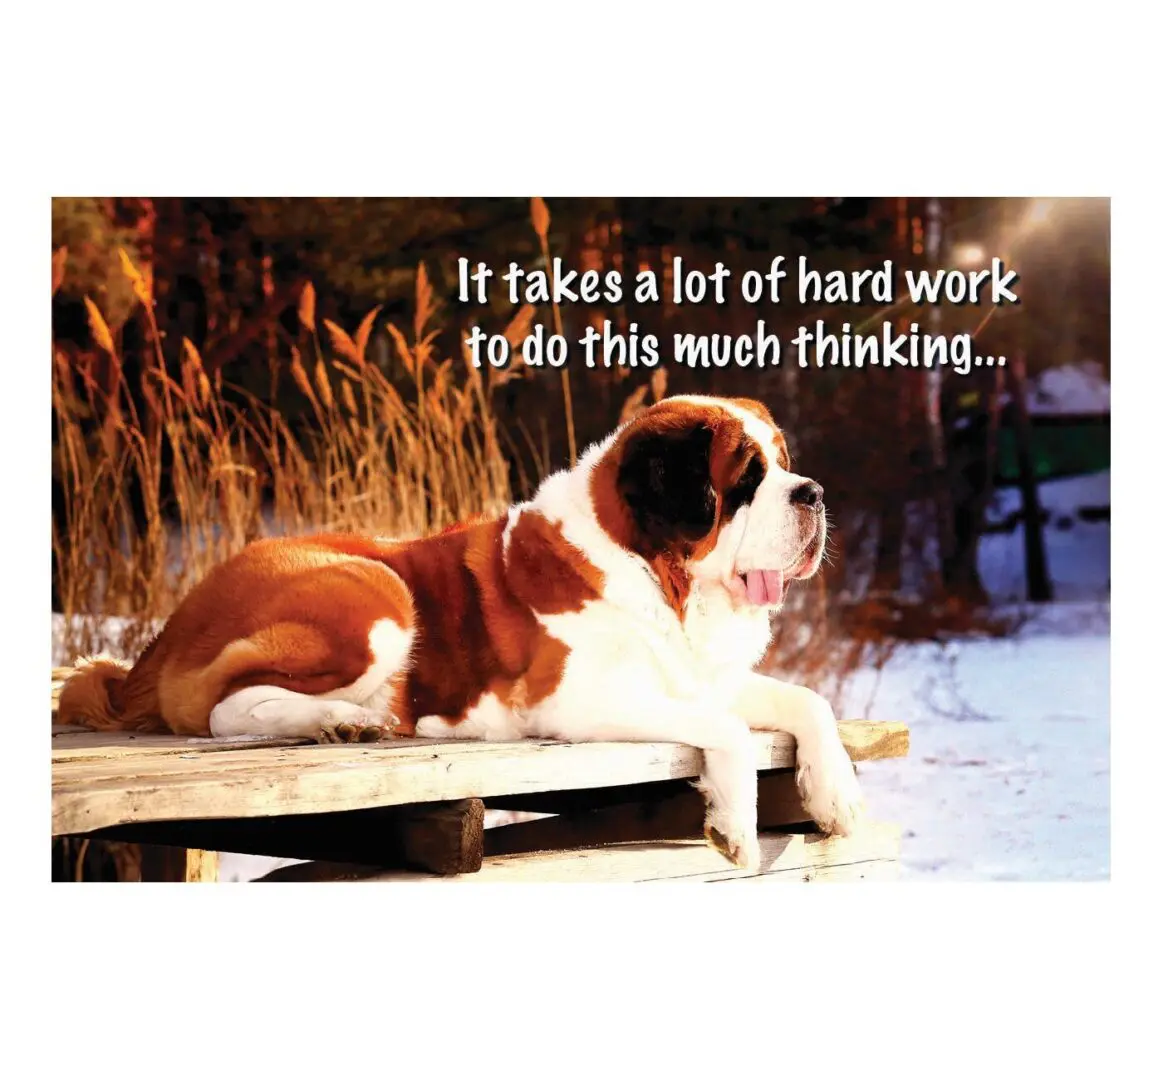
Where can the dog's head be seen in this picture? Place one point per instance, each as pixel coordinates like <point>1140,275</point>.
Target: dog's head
<point>702,489</point>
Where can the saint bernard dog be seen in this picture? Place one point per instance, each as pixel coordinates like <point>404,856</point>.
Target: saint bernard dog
<point>629,599</point>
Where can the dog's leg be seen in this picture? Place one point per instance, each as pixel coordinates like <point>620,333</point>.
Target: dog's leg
<point>271,710</point>
<point>489,719</point>
<point>824,773</point>
<point>729,781</point>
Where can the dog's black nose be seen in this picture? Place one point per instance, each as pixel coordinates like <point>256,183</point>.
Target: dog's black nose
<point>809,493</point>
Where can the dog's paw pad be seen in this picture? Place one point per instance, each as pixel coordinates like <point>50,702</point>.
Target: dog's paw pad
<point>741,850</point>
<point>352,729</point>
<point>719,842</point>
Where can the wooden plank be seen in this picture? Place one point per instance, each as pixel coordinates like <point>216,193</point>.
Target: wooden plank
<point>333,871</point>
<point>681,860</point>
<point>442,838</point>
<point>864,740</point>
<point>150,751</point>
<point>201,865</point>
<point>447,840</point>
<point>587,799</point>
<point>450,838</point>
<point>868,740</point>
<point>117,787</point>
<point>671,810</point>
<point>79,744</point>
<point>779,800</point>
<point>873,870</point>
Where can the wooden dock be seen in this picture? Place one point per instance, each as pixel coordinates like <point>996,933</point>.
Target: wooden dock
<point>413,809</point>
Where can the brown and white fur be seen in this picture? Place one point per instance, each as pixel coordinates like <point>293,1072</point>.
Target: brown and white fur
<point>629,599</point>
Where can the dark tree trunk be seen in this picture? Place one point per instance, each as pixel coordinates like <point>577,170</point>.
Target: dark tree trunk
<point>1038,588</point>
<point>935,254</point>
<point>972,500</point>
<point>891,527</point>
<point>890,538</point>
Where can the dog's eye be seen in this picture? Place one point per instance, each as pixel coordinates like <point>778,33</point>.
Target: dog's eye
<point>744,489</point>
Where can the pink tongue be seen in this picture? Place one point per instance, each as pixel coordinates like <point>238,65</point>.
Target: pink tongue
<point>764,586</point>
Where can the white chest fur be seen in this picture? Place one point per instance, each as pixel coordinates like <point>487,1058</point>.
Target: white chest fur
<point>632,629</point>
<point>723,641</point>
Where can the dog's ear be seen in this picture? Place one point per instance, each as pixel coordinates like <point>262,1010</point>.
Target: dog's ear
<point>665,482</point>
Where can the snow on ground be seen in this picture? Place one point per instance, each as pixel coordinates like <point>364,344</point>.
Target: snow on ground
<point>1078,549</point>
<point>1008,776</point>
<point>1071,389</point>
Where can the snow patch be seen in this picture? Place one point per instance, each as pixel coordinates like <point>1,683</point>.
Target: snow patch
<point>1008,775</point>
<point>1076,534</point>
<point>1071,390</point>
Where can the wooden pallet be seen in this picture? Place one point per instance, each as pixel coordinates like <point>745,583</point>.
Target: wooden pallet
<point>871,855</point>
<point>622,811</point>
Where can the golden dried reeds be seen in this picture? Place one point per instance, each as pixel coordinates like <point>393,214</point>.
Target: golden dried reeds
<point>539,213</point>
<point>162,479</point>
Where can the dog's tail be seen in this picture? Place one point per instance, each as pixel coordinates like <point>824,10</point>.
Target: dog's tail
<point>110,695</point>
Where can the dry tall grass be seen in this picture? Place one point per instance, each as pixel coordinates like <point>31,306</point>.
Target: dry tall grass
<point>130,540</point>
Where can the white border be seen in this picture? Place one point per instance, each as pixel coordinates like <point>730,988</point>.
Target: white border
<point>733,99</point>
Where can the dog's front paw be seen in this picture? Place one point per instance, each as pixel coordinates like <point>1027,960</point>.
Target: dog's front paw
<point>733,838</point>
<point>350,724</point>
<point>831,793</point>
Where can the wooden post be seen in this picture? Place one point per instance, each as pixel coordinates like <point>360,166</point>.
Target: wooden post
<point>441,838</point>
<point>201,865</point>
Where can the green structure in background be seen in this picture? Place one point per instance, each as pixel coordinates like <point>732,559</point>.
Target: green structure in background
<point>1062,446</point>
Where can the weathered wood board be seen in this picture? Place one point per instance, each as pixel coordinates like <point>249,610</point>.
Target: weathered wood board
<point>102,780</point>
<point>449,838</point>
<point>870,854</point>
